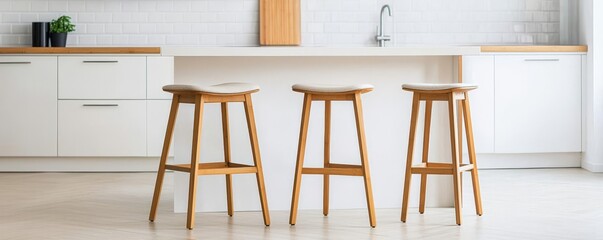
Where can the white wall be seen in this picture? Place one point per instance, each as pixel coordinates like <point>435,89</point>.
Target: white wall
<point>591,34</point>
<point>325,22</point>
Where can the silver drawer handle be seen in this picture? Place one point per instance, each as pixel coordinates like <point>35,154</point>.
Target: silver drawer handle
<point>108,61</point>
<point>542,60</point>
<point>15,62</point>
<point>101,105</point>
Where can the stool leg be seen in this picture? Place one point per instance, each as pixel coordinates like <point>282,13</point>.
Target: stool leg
<point>327,157</point>
<point>190,221</point>
<point>409,155</point>
<point>255,149</point>
<point>164,156</point>
<point>459,124</point>
<point>472,157</point>
<point>226,138</point>
<point>426,132</point>
<point>364,158</point>
<point>455,157</point>
<point>301,151</point>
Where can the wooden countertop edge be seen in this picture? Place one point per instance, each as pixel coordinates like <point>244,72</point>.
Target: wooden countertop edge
<point>552,48</point>
<point>80,50</point>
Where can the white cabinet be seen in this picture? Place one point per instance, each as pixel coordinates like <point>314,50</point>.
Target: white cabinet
<point>84,105</point>
<point>537,103</point>
<point>160,72</point>
<point>28,106</point>
<point>157,116</point>
<point>102,128</point>
<point>107,77</point>
<point>480,70</point>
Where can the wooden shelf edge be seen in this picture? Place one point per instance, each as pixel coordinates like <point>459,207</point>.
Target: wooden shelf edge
<point>551,48</point>
<point>80,50</point>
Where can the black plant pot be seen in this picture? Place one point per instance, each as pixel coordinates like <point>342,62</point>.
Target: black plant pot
<point>58,39</point>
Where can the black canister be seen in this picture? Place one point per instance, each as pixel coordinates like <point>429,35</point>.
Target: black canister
<point>40,34</point>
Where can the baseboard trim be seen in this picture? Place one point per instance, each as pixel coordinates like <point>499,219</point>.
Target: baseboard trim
<point>79,164</point>
<point>592,167</point>
<point>528,160</point>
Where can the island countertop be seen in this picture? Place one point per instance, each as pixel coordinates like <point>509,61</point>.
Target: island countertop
<point>194,51</point>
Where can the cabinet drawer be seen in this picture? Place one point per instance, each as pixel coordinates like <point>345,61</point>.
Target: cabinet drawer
<point>102,77</point>
<point>538,103</point>
<point>102,128</point>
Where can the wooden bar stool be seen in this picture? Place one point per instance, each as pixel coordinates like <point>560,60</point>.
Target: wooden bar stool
<point>223,94</point>
<point>327,94</point>
<point>452,94</point>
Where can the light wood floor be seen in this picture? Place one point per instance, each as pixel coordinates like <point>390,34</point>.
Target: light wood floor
<point>518,204</point>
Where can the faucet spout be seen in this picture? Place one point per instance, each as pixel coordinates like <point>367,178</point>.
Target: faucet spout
<point>381,38</point>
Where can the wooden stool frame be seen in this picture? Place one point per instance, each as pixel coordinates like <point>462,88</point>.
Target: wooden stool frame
<point>227,167</point>
<point>328,167</point>
<point>453,97</point>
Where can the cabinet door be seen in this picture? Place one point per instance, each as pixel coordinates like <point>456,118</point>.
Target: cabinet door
<point>28,106</point>
<point>158,112</point>
<point>160,72</point>
<point>479,70</point>
<point>107,77</point>
<point>538,103</point>
<point>108,128</point>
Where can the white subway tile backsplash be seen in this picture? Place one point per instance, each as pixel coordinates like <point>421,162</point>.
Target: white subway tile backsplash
<point>77,6</point>
<point>137,40</point>
<point>165,28</point>
<point>324,22</point>
<point>85,17</point>
<point>20,6</point>
<point>182,6</point>
<point>58,6</point>
<point>39,6</point>
<point>182,28</point>
<point>95,6</point>
<point>29,17</point>
<point>11,18</point>
<point>104,40</point>
<point>95,28</point>
<point>131,28</point>
<point>87,40</point>
<point>5,28</point>
<point>112,6</point>
<point>4,6</point>
<point>21,28</point>
<point>103,17</point>
<point>113,28</point>
<point>129,6</point>
<point>147,6</point>
<point>156,39</point>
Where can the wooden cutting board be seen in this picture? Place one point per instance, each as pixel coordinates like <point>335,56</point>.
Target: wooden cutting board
<point>280,22</point>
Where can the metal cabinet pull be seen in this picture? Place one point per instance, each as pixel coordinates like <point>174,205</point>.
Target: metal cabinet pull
<point>100,105</point>
<point>15,62</point>
<point>542,60</point>
<point>107,61</point>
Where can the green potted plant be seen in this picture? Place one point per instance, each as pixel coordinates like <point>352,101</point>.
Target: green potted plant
<point>59,29</point>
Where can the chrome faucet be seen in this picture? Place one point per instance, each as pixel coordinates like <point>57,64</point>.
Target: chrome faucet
<point>381,38</point>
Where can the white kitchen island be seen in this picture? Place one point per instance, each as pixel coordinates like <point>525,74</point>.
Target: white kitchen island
<point>278,111</point>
